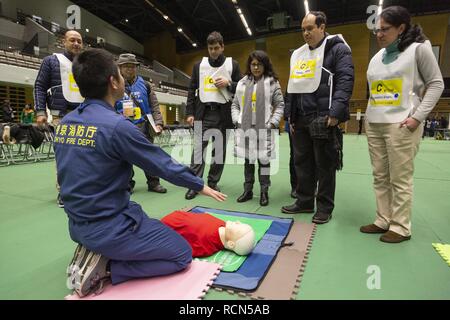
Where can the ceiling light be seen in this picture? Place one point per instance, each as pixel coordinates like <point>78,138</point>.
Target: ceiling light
<point>87,30</point>
<point>126,20</point>
<point>194,45</point>
<point>180,30</point>
<point>241,15</point>
<point>166,17</point>
<point>380,6</point>
<point>306,6</point>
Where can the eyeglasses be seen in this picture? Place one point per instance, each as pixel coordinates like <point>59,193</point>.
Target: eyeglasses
<point>382,30</point>
<point>308,29</point>
<point>256,65</point>
<point>129,66</point>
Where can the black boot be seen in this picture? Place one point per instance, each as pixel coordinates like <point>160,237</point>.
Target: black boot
<point>264,199</point>
<point>158,189</point>
<point>190,195</point>
<point>247,195</point>
<point>294,208</point>
<point>293,194</point>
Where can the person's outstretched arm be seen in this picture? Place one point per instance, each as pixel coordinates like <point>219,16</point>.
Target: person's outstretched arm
<point>131,145</point>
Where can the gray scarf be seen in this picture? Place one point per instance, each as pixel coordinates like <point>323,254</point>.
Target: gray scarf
<point>260,105</point>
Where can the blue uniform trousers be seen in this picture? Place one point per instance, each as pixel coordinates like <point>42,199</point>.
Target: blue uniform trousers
<point>136,245</point>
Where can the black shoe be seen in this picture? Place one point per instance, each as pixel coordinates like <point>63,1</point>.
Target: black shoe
<point>59,201</point>
<point>321,218</point>
<point>264,199</point>
<point>158,189</point>
<point>293,194</point>
<point>247,195</point>
<point>214,187</point>
<point>191,194</point>
<point>294,208</point>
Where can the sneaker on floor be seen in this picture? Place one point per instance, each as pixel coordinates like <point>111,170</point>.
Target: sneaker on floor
<point>59,201</point>
<point>321,218</point>
<point>93,274</point>
<point>79,257</point>
<point>73,269</point>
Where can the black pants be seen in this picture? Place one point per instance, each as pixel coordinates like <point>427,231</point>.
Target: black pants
<point>152,181</point>
<point>315,161</point>
<point>263,175</point>
<point>293,175</point>
<point>211,120</point>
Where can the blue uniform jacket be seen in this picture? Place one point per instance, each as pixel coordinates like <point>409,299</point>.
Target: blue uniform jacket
<point>95,149</point>
<point>140,93</point>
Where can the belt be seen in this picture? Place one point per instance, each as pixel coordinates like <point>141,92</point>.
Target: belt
<point>211,107</point>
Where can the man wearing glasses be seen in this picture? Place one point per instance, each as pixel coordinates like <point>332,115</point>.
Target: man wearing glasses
<point>319,89</point>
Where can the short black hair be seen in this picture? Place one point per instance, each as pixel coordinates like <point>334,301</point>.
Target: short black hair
<point>92,70</point>
<point>321,17</point>
<point>214,37</point>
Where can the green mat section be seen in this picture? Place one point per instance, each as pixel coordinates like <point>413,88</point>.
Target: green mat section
<point>443,250</point>
<point>228,259</point>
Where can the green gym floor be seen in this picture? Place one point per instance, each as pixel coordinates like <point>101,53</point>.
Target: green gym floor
<point>35,246</point>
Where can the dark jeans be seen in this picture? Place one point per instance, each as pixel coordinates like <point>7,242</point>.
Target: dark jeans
<point>315,161</point>
<point>263,175</point>
<point>211,120</point>
<point>293,175</point>
<point>152,181</point>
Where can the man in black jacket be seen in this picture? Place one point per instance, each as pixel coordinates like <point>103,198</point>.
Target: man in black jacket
<point>213,83</point>
<point>55,87</point>
<point>320,86</point>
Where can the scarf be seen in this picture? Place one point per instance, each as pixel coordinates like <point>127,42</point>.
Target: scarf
<point>260,105</point>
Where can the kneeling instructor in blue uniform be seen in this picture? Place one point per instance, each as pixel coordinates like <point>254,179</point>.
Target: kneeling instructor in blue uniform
<point>95,150</point>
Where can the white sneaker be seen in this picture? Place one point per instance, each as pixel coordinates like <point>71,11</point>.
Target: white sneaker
<point>92,275</point>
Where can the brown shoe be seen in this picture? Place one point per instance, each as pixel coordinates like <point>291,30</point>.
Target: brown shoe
<point>393,237</point>
<point>372,228</point>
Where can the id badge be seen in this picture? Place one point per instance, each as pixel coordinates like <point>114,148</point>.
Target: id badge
<point>128,108</point>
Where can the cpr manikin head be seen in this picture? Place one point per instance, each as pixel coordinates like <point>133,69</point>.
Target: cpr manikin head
<point>238,237</point>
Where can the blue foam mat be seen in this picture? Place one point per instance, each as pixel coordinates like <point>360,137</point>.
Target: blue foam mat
<point>253,270</point>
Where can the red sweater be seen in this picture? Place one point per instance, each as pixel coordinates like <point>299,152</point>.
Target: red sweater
<point>201,231</point>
